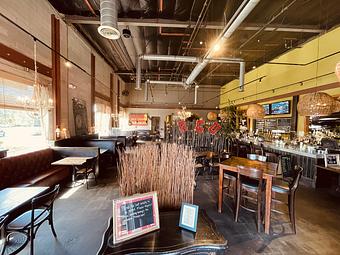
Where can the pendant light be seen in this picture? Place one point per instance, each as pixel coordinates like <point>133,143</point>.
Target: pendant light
<point>255,111</point>
<point>337,70</point>
<point>316,103</point>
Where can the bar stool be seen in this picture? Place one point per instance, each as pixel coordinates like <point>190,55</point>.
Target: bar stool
<point>250,180</point>
<point>230,177</point>
<point>288,189</point>
<point>272,157</point>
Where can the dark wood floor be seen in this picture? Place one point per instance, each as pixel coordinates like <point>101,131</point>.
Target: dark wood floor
<point>81,219</point>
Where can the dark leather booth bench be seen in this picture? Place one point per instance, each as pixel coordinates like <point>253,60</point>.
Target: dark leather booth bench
<point>106,160</point>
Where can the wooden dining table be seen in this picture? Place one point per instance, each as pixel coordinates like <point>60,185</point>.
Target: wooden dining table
<point>269,172</point>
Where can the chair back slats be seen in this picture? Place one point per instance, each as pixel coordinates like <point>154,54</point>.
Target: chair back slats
<point>47,199</point>
<point>295,183</point>
<point>257,157</point>
<point>250,172</point>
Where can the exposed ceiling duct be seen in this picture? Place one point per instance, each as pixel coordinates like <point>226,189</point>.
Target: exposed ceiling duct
<point>108,19</point>
<point>243,11</point>
<point>179,59</point>
<point>242,72</point>
<point>196,91</point>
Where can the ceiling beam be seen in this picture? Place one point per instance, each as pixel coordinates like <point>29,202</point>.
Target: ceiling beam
<point>75,19</point>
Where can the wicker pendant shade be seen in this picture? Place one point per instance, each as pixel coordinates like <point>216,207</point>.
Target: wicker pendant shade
<point>337,70</point>
<point>316,104</point>
<point>336,106</point>
<point>255,111</point>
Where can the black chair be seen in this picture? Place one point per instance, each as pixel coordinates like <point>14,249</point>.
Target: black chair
<point>88,168</point>
<point>272,157</point>
<point>288,189</point>
<point>287,168</point>
<point>250,180</point>
<point>29,222</point>
<point>2,226</point>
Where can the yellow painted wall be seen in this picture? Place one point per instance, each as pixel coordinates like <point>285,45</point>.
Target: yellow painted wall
<point>281,75</point>
<point>277,76</point>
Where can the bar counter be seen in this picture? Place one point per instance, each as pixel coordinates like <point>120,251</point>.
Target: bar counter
<point>308,160</point>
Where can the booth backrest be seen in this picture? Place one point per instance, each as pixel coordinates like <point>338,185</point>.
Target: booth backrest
<point>110,145</point>
<point>18,168</point>
<point>62,152</point>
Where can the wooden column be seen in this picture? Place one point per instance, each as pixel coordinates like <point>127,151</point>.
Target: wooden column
<point>306,125</point>
<point>294,118</point>
<point>118,98</point>
<point>93,84</point>
<point>56,83</point>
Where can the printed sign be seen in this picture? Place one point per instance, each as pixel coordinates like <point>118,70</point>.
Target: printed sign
<point>138,119</point>
<point>188,217</point>
<point>134,216</point>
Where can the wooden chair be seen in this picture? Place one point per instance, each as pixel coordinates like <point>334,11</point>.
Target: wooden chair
<point>230,178</point>
<point>29,222</point>
<point>288,189</point>
<point>89,168</point>
<point>257,157</point>
<point>249,180</point>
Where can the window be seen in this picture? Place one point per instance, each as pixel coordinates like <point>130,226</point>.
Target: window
<point>102,118</point>
<point>20,127</point>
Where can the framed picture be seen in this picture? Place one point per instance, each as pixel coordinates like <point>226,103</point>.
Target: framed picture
<point>188,217</point>
<point>331,160</point>
<point>135,216</point>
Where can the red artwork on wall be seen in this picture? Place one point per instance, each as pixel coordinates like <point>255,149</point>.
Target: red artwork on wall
<point>182,125</point>
<point>199,126</point>
<point>214,128</point>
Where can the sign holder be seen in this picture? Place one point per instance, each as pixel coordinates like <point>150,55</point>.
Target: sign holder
<point>135,216</point>
<point>188,217</point>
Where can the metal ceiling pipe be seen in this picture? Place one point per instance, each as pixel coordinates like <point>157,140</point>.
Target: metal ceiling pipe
<point>170,58</point>
<point>190,59</point>
<point>242,12</point>
<point>108,19</point>
<point>167,82</point>
<point>138,73</point>
<point>225,60</point>
<point>242,72</point>
<point>196,91</point>
<point>146,92</point>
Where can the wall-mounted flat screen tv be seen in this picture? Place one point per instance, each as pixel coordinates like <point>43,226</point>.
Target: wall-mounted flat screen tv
<point>266,108</point>
<point>280,108</point>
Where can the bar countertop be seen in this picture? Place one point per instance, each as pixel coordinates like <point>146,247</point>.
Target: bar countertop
<point>292,150</point>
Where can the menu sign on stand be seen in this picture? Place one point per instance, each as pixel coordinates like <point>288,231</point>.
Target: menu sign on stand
<point>134,216</point>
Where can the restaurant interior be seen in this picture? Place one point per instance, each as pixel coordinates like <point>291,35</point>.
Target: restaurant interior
<point>169,127</point>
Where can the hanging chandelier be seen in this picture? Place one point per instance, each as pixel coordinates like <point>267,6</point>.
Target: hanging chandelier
<point>184,114</point>
<point>255,111</point>
<point>40,103</point>
<point>316,104</point>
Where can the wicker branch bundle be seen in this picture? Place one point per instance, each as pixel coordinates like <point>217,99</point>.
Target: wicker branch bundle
<point>166,168</point>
